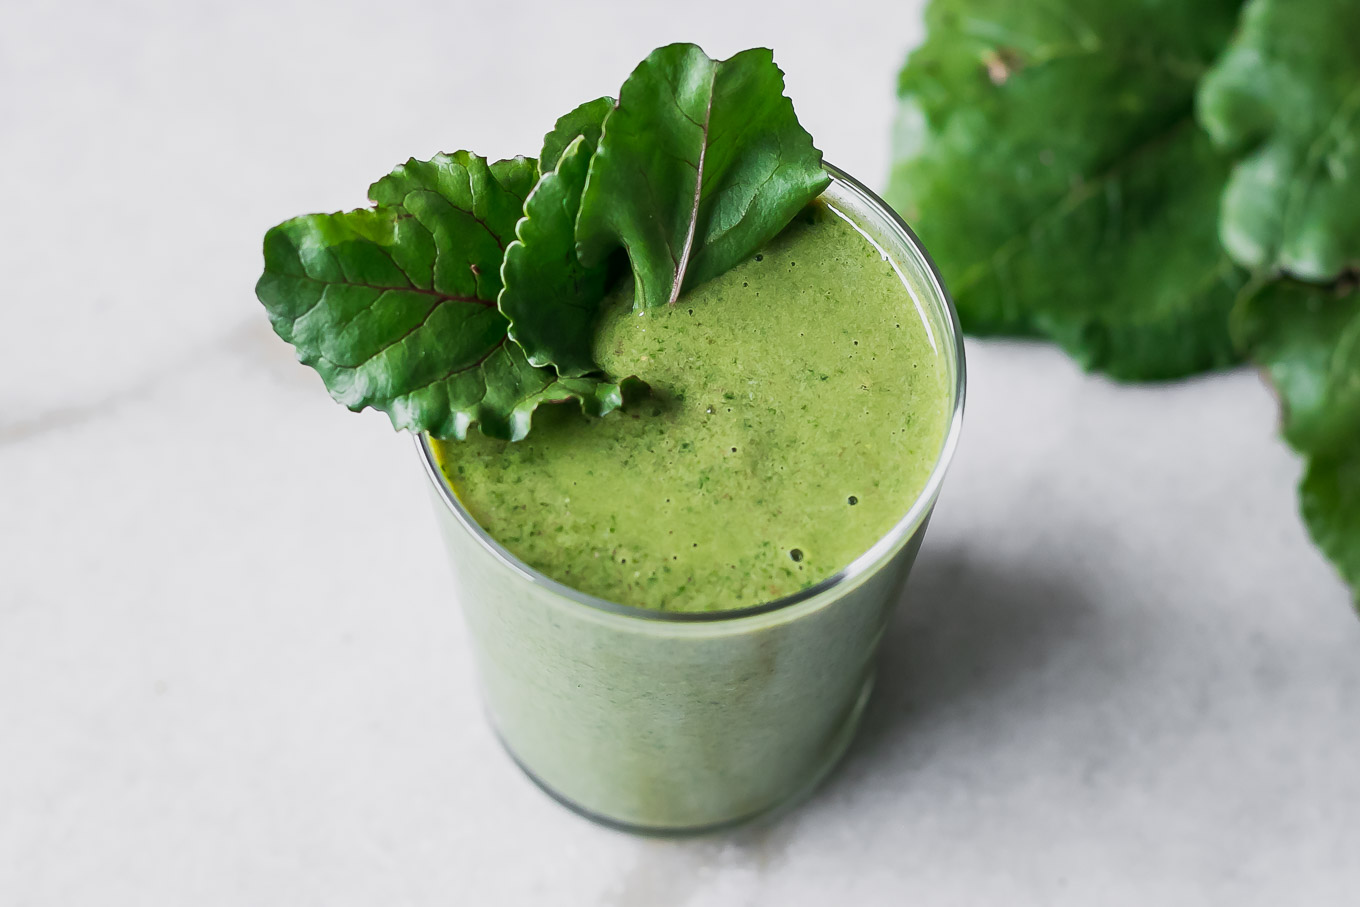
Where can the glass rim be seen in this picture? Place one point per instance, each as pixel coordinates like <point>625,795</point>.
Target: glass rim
<point>898,535</point>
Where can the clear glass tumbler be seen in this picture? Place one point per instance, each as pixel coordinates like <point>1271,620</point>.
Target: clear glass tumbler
<point>672,722</point>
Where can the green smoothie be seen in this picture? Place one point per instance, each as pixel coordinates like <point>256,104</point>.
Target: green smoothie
<point>674,603</point>
<point>803,406</point>
<point>798,404</point>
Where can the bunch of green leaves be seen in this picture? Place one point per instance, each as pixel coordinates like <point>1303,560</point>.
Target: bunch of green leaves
<point>1284,102</point>
<point>1160,188</point>
<point>468,294</point>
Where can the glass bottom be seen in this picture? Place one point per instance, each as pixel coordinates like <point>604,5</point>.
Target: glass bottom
<point>839,744</point>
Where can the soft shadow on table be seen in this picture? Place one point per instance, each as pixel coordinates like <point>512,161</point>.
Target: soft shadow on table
<point>965,630</point>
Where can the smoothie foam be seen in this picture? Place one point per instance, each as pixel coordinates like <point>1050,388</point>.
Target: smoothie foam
<point>799,403</point>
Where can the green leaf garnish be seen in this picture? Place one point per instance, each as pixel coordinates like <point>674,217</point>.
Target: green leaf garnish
<point>1286,96</point>
<point>1307,340</point>
<point>551,298</point>
<point>1052,166</point>
<point>701,163</point>
<point>468,295</point>
<point>395,307</point>
<point>586,120</point>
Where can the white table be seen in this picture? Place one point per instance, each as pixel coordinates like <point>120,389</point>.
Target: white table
<point>230,669</point>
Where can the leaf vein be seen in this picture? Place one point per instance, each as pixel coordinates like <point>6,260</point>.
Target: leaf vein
<point>683,264</point>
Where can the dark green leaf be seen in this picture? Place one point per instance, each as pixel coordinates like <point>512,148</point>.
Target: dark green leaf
<point>395,306</point>
<point>473,205</point>
<point>700,164</point>
<point>1307,340</point>
<point>586,120</point>
<point>1287,96</point>
<point>1052,167</point>
<point>1329,496</point>
<point>550,298</point>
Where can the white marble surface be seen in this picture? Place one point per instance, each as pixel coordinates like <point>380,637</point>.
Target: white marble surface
<point>230,669</point>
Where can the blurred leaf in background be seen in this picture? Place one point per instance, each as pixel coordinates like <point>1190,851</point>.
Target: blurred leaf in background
<point>1306,339</point>
<point>1048,155</point>
<point>1161,189</point>
<point>1286,97</point>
